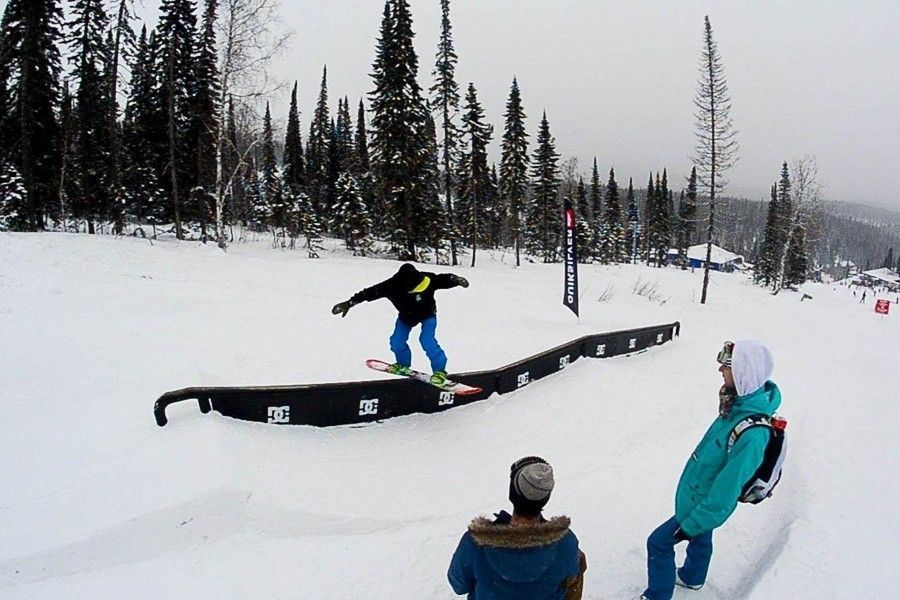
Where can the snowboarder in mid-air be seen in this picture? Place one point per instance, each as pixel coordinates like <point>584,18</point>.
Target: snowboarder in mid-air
<point>412,293</point>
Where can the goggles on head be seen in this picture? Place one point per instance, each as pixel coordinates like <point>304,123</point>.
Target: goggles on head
<point>724,356</point>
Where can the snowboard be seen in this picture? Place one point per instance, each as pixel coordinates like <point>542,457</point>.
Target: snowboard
<point>460,389</point>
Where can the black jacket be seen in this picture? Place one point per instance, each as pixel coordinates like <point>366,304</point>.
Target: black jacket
<point>409,292</point>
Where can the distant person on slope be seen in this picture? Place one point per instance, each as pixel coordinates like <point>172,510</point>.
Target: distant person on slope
<point>714,476</point>
<point>522,555</point>
<point>412,293</point>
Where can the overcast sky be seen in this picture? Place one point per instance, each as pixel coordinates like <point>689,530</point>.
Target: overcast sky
<point>617,78</point>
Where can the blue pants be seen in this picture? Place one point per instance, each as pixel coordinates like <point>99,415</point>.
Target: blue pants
<point>661,561</point>
<point>434,351</point>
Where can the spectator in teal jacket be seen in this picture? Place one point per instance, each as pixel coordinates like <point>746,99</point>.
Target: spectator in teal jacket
<point>714,476</point>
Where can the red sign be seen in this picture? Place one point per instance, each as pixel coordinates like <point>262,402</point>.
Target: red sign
<point>882,306</point>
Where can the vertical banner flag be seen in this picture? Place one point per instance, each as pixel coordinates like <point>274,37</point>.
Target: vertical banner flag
<point>570,291</point>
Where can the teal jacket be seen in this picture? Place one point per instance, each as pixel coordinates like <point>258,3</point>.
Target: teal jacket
<point>713,478</point>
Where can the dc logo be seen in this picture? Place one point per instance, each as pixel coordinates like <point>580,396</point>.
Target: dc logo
<point>632,343</point>
<point>659,338</point>
<point>446,398</point>
<point>523,379</point>
<point>563,362</point>
<point>418,297</point>
<point>368,407</point>
<point>279,414</point>
<point>601,350</point>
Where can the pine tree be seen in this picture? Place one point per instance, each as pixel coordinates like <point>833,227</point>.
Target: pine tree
<point>514,168</point>
<point>271,181</point>
<point>717,147</point>
<point>496,210</point>
<point>796,263</point>
<point>353,217</point>
<point>770,251</point>
<point>544,223</point>
<point>889,259</point>
<point>433,221</point>
<point>294,175</point>
<point>445,101</point>
<point>205,91</point>
<point>176,36</point>
<point>597,210</point>
<point>649,211</point>
<point>474,177</point>
<point>633,227</point>
<point>91,157</point>
<point>399,129</point>
<point>318,151</point>
<point>30,66</point>
<point>363,170</point>
<point>361,142</point>
<point>583,234</point>
<point>13,201</point>
<point>660,218</point>
<point>614,242</point>
<point>687,216</point>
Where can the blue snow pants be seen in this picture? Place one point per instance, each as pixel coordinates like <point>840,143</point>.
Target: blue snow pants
<point>661,561</point>
<point>434,351</point>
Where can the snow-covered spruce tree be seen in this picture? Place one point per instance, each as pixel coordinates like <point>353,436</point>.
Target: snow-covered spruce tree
<point>583,231</point>
<point>544,221</point>
<point>649,211</point>
<point>176,36</point>
<point>89,166</point>
<point>277,209</point>
<point>399,143</point>
<point>292,161</point>
<point>632,225</point>
<point>687,217</point>
<point>205,124</point>
<point>303,222</point>
<point>362,171</point>
<point>318,148</point>
<point>796,263</point>
<point>614,242</point>
<point>660,221</point>
<point>496,210</point>
<point>13,203</point>
<point>30,66</point>
<point>433,221</point>
<point>597,210</point>
<point>770,250</point>
<point>716,149</point>
<point>445,102</point>
<point>352,216</point>
<point>804,206</point>
<point>513,182</point>
<point>474,176</point>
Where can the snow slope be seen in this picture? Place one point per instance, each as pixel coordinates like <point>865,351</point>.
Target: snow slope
<point>96,501</point>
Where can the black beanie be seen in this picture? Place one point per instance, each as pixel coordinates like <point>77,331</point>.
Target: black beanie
<point>408,275</point>
<point>530,484</point>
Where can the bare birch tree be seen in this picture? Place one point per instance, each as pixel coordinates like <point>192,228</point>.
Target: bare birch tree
<point>247,44</point>
<point>716,149</point>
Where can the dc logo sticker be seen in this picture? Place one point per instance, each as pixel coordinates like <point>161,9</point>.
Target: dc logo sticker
<point>563,362</point>
<point>601,350</point>
<point>523,379</point>
<point>446,399</point>
<point>279,414</point>
<point>368,407</point>
<point>659,338</point>
<point>632,343</point>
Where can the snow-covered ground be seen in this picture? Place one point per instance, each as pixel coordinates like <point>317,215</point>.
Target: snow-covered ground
<point>96,501</point>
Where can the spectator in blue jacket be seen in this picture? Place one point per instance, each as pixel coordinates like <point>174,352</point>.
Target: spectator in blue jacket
<point>520,556</point>
<point>714,476</point>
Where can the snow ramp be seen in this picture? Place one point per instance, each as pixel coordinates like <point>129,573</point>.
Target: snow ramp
<point>349,403</point>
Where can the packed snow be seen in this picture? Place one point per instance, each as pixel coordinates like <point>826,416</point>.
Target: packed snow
<point>96,501</point>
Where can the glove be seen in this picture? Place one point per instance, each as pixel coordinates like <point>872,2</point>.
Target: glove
<point>461,281</point>
<point>342,307</point>
<point>681,536</point>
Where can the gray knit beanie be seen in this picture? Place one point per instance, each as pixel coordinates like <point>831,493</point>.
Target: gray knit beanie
<point>530,484</point>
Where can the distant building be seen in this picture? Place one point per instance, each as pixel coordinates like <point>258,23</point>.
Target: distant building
<point>720,259</point>
<point>880,278</point>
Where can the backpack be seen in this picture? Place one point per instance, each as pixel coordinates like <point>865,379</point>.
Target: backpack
<point>767,476</point>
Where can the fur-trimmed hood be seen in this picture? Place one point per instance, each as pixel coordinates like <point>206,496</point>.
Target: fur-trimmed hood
<point>525,554</point>
<point>497,535</point>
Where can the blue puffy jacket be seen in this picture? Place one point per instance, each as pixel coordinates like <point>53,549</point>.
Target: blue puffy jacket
<point>495,561</point>
<point>714,476</point>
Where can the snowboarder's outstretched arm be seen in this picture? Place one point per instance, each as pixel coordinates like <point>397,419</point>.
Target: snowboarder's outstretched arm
<point>445,281</point>
<point>379,290</point>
